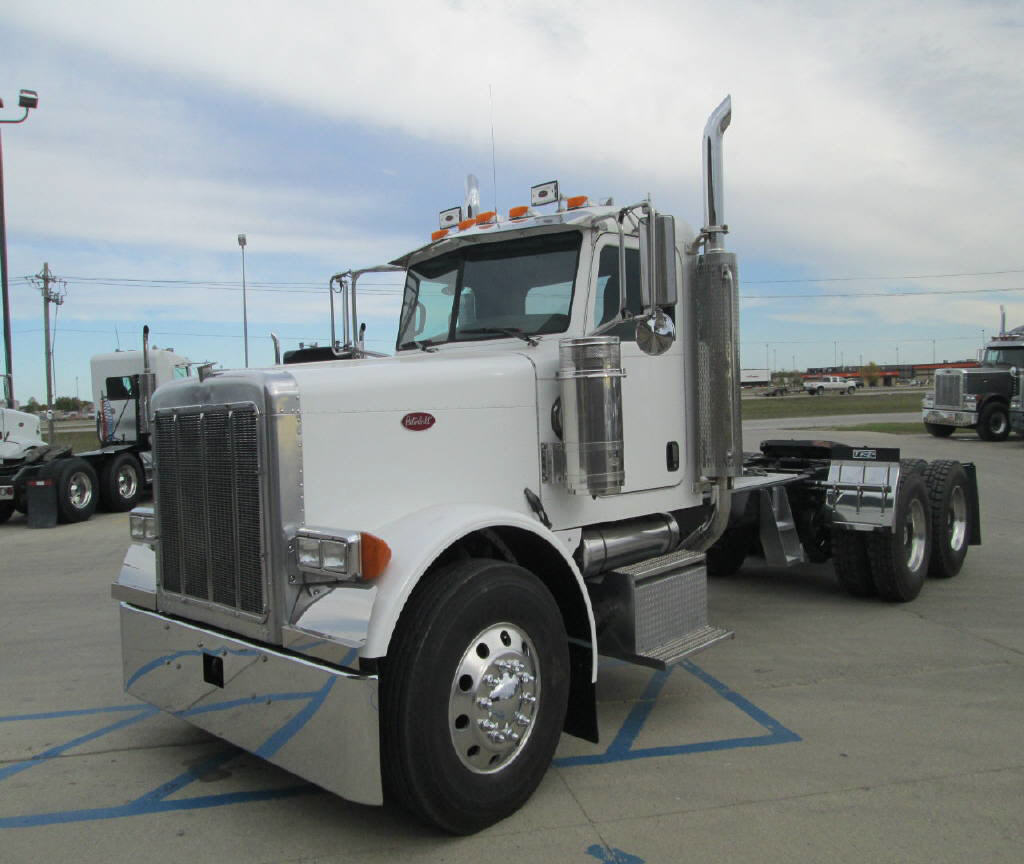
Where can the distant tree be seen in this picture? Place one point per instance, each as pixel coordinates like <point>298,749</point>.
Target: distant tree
<point>67,403</point>
<point>33,406</point>
<point>871,374</point>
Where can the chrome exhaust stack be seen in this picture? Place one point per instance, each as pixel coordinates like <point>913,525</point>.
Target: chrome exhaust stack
<point>147,384</point>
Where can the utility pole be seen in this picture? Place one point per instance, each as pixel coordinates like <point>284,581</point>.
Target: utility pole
<point>44,280</point>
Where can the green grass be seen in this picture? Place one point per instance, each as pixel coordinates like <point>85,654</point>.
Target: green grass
<point>81,441</point>
<point>799,405</point>
<point>889,428</point>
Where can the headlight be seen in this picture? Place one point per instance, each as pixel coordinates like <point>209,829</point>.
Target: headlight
<point>928,400</point>
<point>323,556</point>
<point>970,401</point>
<point>142,524</point>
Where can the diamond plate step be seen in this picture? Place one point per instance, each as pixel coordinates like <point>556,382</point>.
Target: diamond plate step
<point>662,564</point>
<point>672,652</point>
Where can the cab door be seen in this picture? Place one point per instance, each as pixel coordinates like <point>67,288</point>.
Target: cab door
<point>653,390</point>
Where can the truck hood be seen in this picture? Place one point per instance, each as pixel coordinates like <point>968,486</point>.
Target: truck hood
<point>381,438</point>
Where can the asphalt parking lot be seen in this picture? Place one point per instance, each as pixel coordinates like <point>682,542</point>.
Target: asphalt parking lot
<point>830,728</point>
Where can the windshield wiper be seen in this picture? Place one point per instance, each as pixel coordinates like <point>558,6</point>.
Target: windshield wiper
<point>504,331</point>
<point>423,345</point>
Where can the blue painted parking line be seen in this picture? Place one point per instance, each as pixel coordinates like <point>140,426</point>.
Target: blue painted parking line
<point>157,799</point>
<point>621,749</point>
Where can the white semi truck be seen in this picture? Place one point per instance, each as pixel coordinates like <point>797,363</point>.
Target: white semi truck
<point>394,576</point>
<point>115,475</point>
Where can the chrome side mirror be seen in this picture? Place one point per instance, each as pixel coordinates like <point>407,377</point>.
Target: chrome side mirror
<point>655,333</point>
<point>658,260</point>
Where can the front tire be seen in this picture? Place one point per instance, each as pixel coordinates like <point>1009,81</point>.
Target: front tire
<point>473,694</point>
<point>76,490</point>
<point>994,422</point>
<point>6,509</point>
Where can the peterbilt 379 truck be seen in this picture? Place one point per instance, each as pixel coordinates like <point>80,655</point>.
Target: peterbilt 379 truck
<point>977,398</point>
<point>115,475</point>
<point>394,576</point>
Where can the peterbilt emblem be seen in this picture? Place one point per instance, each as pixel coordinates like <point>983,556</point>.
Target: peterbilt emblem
<point>418,421</point>
<point>865,454</point>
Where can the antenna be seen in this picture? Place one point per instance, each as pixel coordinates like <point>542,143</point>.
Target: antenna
<point>494,169</point>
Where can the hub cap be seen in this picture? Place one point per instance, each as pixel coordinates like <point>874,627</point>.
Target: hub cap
<point>494,698</point>
<point>914,533</point>
<point>997,425</point>
<point>956,519</point>
<point>127,481</point>
<point>79,490</point>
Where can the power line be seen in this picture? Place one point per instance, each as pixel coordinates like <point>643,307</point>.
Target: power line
<point>880,278</point>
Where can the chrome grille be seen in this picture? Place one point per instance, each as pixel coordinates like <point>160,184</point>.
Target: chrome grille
<point>209,507</point>
<point>948,389</point>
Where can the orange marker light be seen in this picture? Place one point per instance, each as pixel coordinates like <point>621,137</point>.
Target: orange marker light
<point>466,223</point>
<point>376,554</point>
<point>518,212</point>
<point>577,201</point>
<point>437,235</point>
<point>485,217</point>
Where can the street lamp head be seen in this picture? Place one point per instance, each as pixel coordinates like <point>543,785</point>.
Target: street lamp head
<point>28,99</point>
<point>241,240</point>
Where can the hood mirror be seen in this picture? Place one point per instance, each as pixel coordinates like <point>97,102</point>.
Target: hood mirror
<point>655,333</point>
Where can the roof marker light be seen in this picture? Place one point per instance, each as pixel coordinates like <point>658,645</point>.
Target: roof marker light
<point>486,217</point>
<point>437,235</point>
<point>520,212</point>
<point>544,193</point>
<point>467,223</point>
<point>577,201</point>
<point>450,217</point>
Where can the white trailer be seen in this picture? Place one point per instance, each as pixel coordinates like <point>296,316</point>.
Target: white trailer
<point>750,377</point>
<point>394,576</point>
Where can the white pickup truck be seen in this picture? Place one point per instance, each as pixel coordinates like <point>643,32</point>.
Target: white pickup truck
<point>818,386</point>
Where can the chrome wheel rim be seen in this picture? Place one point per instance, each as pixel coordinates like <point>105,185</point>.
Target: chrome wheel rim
<point>80,490</point>
<point>956,519</point>
<point>997,425</point>
<point>127,481</point>
<point>915,533</point>
<point>495,694</point>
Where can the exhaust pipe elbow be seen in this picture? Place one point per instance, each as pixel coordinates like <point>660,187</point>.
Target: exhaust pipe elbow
<point>714,180</point>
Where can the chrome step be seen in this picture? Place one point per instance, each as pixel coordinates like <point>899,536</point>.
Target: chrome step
<point>678,649</point>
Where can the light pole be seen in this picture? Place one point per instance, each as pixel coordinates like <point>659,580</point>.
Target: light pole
<point>27,99</point>
<point>245,309</point>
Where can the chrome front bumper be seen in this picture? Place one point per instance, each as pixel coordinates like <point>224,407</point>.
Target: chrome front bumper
<point>945,417</point>
<point>314,720</point>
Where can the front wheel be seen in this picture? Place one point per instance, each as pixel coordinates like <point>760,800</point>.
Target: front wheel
<point>473,694</point>
<point>994,422</point>
<point>6,509</point>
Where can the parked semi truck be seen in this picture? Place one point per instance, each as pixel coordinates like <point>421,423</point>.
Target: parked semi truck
<point>394,576</point>
<point>1017,404</point>
<point>977,398</point>
<point>115,475</point>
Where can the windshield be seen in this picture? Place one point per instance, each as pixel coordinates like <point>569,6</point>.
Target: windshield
<point>1004,357</point>
<point>492,291</point>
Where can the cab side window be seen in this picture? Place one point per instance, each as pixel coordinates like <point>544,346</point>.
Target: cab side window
<point>606,291</point>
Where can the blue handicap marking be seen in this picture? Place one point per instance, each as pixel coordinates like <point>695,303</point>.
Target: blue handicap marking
<point>111,719</point>
<point>610,855</point>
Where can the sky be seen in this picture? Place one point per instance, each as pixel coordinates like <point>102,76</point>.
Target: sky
<point>873,170</point>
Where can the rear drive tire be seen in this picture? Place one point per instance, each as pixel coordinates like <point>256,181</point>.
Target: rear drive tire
<point>474,692</point>
<point>899,559</point>
<point>950,517</point>
<point>913,466</point>
<point>76,490</point>
<point>938,430</point>
<point>994,422</point>
<point>850,561</point>
<point>121,483</point>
